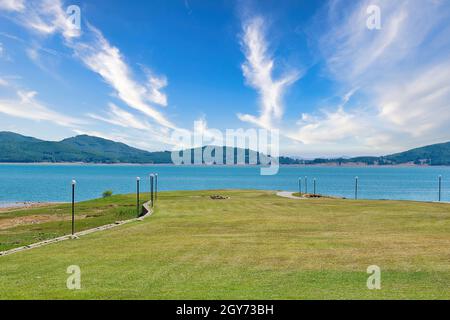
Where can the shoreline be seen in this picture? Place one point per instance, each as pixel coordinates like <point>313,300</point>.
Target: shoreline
<point>347,165</point>
<point>18,205</point>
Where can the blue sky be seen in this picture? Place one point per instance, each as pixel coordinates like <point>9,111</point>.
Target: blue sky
<point>137,70</point>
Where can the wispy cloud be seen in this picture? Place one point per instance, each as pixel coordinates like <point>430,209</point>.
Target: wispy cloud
<point>352,50</point>
<point>402,73</point>
<point>11,36</point>
<point>12,5</point>
<point>107,61</point>
<point>48,17</point>
<point>154,87</point>
<point>394,82</point>
<point>328,126</point>
<point>258,72</point>
<point>26,106</point>
<point>121,118</point>
<point>141,131</point>
<point>420,104</point>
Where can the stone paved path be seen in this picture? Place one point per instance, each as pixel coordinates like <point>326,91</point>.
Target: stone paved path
<point>287,194</point>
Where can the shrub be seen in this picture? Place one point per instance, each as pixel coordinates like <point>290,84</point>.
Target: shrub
<point>107,193</point>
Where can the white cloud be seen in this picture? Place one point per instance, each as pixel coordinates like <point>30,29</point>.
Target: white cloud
<point>12,5</point>
<point>401,71</point>
<point>420,106</point>
<point>154,90</point>
<point>3,82</point>
<point>12,37</point>
<point>27,107</point>
<point>329,126</point>
<point>93,49</point>
<point>353,52</point>
<point>140,129</point>
<point>107,61</point>
<point>119,117</point>
<point>48,17</point>
<point>341,129</point>
<point>258,72</point>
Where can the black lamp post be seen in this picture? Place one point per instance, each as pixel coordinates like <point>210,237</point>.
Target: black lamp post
<point>156,187</point>
<point>73,206</point>
<point>356,188</point>
<point>440,187</point>
<point>314,186</point>
<point>152,177</point>
<point>300,186</point>
<point>306,185</point>
<point>137,195</point>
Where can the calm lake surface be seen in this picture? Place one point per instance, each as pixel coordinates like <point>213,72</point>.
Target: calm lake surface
<point>51,183</point>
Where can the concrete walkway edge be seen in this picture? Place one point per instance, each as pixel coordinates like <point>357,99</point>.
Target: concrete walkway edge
<point>148,212</point>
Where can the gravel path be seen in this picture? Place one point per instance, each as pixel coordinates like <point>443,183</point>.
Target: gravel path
<point>287,194</point>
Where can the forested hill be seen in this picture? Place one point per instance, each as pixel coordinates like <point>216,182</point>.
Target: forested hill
<point>21,149</point>
<point>83,148</point>
<point>16,148</point>
<point>434,155</point>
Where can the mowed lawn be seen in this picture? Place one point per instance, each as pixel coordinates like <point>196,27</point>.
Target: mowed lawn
<point>22,227</point>
<point>254,245</point>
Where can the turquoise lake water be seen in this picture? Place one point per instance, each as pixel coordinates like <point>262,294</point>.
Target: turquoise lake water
<point>49,183</point>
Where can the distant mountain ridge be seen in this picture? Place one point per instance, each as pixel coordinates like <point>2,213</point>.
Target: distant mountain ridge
<point>16,148</point>
<point>432,155</point>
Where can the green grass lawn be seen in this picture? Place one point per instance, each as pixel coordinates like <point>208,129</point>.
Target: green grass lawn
<point>254,245</point>
<point>25,226</point>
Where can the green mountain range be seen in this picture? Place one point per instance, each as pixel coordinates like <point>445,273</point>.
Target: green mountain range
<point>433,155</point>
<point>17,148</point>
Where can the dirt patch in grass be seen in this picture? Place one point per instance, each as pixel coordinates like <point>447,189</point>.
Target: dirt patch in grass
<point>26,205</point>
<point>34,219</point>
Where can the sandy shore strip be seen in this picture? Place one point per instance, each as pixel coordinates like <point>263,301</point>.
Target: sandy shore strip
<point>10,206</point>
